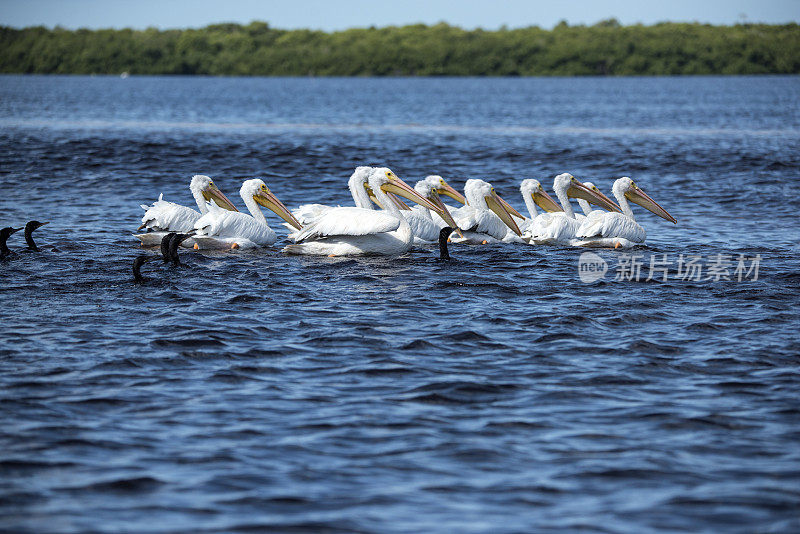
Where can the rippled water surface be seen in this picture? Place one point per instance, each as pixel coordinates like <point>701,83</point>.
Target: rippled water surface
<point>250,391</point>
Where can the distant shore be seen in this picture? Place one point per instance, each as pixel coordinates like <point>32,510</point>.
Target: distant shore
<point>605,49</point>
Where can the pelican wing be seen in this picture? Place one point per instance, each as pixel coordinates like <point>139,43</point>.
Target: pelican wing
<point>522,224</point>
<point>421,223</point>
<point>480,221</point>
<point>224,224</point>
<point>538,225</point>
<point>306,213</point>
<point>168,216</point>
<point>347,221</point>
<point>553,228</point>
<point>611,224</point>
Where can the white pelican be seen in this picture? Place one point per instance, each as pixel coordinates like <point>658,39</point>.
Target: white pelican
<point>533,194</point>
<point>358,189</point>
<point>346,231</point>
<point>561,227</point>
<point>164,217</point>
<point>426,228</point>
<point>602,229</point>
<point>486,217</point>
<point>220,228</point>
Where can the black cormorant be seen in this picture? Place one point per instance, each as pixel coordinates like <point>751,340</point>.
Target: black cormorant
<point>137,264</point>
<point>5,233</point>
<point>174,243</point>
<point>165,246</point>
<point>29,228</point>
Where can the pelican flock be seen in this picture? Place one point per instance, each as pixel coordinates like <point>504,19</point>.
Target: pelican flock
<point>381,222</point>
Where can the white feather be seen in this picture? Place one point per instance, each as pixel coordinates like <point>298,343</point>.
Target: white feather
<point>481,222</point>
<point>425,228</point>
<point>169,216</point>
<point>347,221</point>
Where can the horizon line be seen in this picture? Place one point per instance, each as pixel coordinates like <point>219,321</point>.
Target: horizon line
<point>502,27</point>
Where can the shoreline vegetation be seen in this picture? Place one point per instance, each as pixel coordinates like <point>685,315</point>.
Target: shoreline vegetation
<point>256,49</point>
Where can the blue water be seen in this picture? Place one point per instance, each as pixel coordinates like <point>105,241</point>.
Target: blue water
<point>253,391</point>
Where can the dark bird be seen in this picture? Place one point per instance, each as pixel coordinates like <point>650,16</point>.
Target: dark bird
<point>5,233</point>
<point>137,265</point>
<point>174,243</point>
<point>444,235</point>
<point>165,246</point>
<point>29,228</point>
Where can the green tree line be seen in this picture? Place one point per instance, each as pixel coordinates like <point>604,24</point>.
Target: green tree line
<point>606,48</point>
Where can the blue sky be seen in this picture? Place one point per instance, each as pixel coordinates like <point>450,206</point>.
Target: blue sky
<point>336,15</point>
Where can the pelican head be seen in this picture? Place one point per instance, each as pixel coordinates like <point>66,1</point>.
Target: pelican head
<point>387,181</point>
<point>429,189</point>
<point>205,186</point>
<point>402,206</point>
<point>480,194</point>
<point>258,191</point>
<point>534,189</point>
<point>360,179</point>
<point>443,188</point>
<point>627,187</point>
<point>360,176</point>
<point>574,189</point>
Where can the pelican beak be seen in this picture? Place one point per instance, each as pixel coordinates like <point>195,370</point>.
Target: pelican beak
<point>498,206</point>
<point>545,201</point>
<point>446,189</point>
<point>578,190</point>
<point>271,202</point>
<point>443,212</point>
<point>219,198</point>
<point>397,202</point>
<point>604,197</point>
<point>372,196</point>
<point>398,187</point>
<point>636,195</point>
<point>509,208</point>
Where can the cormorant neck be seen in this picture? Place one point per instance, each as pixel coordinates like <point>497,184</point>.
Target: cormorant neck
<point>29,239</point>
<point>444,233</point>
